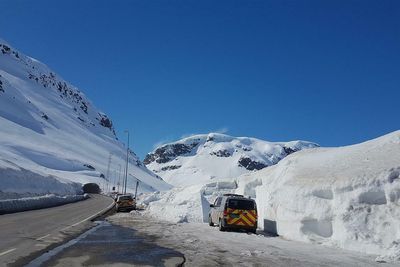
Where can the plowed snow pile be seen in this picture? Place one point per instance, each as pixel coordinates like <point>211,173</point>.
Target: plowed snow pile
<point>347,197</point>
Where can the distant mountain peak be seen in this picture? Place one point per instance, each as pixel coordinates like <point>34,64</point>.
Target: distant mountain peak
<point>215,155</point>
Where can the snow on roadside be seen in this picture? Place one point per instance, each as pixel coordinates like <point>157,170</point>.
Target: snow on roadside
<point>176,205</point>
<point>19,182</point>
<point>347,197</point>
<point>31,203</point>
<point>185,204</point>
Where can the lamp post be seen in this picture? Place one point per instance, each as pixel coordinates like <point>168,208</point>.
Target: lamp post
<point>108,172</point>
<point>119,178</point>
<point>137,185</point>
<point>127,159</point>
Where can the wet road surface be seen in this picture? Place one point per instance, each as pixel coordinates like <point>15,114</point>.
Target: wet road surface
<point>112,245</point>
<point>26,233</point>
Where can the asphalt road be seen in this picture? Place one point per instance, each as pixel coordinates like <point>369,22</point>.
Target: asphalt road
<point>108,245</point>
<point>133,239</point>
<point>28,233</point>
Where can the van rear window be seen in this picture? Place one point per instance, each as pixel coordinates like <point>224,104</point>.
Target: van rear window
<point>240,204</point>
<point>125,198</point>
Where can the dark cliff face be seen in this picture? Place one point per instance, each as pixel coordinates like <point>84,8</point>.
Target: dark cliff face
<point>289,150</point>
<point>105,121</point>
<point>1,85</point>
<point>172,167</point>
<point>168,152</point>
<point>221,153</point>
<point>250,164</point>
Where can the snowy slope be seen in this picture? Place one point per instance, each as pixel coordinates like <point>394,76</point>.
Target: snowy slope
<point>347,197</point>
<point>203,158</point>
<point>51,135</point>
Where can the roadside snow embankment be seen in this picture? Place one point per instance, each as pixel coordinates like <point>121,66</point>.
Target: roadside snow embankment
<point>347,197</point>
<point>18,182</point>
<point>190,204</point>
<point>32,203</point>
<point>23,190</point>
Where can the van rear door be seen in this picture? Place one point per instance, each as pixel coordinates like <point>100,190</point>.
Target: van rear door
<point>242,212</point>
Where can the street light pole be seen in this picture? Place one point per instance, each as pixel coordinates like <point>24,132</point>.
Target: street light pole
<point>127,160</point>
<point>137,184</point>
<point>108,172</point>
<point>119,178</point>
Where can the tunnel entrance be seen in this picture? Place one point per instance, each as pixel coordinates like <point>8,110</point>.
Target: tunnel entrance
<point>91,188</point>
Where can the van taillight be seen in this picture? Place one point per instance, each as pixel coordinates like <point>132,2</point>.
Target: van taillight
<point>226,209</point>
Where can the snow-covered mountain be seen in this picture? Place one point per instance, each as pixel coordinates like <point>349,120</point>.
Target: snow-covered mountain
<point>51,135</point>
<point>201,158</point>
<point>347,197</point>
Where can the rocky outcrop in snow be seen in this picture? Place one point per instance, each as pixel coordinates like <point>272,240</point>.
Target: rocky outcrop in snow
<point>169,152</point>
<point>202,158</point>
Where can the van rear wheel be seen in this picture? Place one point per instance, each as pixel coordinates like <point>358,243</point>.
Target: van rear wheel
<point>210,222</point>
<point>220,226</point>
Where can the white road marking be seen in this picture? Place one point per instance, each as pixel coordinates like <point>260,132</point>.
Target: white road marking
<point>40,238</point>
<point>6,252</point>
<point>75,224</point>
<point>46,256</point>
<point>88,218</point>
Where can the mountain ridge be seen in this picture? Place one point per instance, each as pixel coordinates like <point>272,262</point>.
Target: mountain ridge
<point>238,155</point>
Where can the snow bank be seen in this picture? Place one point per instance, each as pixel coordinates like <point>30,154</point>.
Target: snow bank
<point>31,203</point>
<point>21,182</point>
<point>347,197</point>
<point>176,205</point>
<point>185,204</point>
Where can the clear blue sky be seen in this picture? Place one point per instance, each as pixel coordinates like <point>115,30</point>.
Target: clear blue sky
<point>324,71</point>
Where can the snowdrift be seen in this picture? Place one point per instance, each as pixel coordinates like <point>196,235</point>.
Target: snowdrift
<point>347,197</point>
<point>51,129</point>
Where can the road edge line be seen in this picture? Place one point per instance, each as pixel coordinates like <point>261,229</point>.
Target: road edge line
<point>104,211</point>
<point>91,217</point>
<point>7,251</point>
